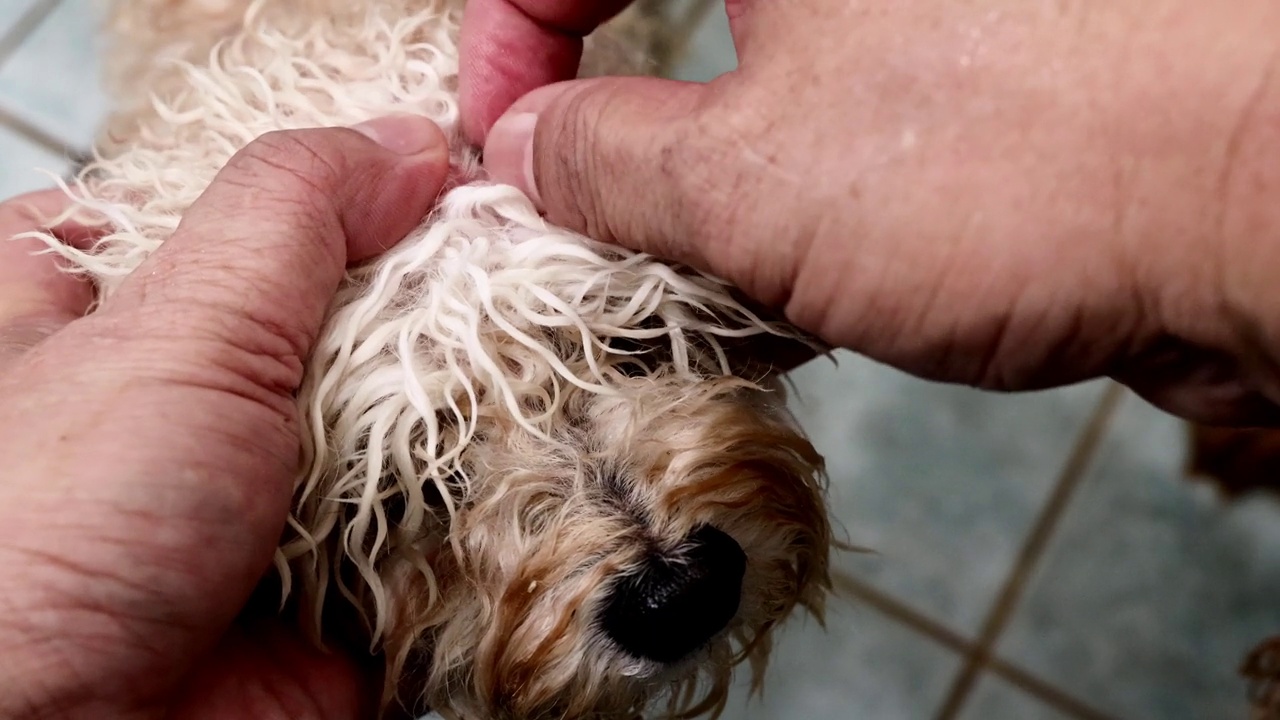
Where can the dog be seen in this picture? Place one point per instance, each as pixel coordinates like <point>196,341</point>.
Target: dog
<point>535,479</point>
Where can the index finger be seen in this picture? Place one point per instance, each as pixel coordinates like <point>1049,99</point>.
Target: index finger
<point>511,47</point>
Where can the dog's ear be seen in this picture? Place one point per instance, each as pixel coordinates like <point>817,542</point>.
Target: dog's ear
<point>1239,461</point>
<point>765,355</point>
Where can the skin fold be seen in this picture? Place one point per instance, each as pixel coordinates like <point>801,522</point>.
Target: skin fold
<point>152,444</point>
<point>996,193</point>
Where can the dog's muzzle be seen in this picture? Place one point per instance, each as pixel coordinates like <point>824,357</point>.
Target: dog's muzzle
<point>677,601</point>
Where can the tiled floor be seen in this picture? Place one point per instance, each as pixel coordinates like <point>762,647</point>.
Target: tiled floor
<point>1034,557</point>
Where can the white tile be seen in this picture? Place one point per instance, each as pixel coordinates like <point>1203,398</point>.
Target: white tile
<point>995,699</point>
<point>11,11</point>
<point>940,483</point>
<point>1154,589</point>
<point>21,162</point>
<point>53,80</point>
<point>710,52</point>
<point>862,666</point>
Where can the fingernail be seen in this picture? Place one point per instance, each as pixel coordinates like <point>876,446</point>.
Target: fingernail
<point>403,134</point>
<point>508,152</point>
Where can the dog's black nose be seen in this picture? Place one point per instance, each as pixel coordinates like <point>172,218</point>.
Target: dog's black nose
<point>678,601</point>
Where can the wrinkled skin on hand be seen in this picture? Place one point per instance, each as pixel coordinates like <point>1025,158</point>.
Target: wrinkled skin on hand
<point>1005,194</point>
<point>151,446</point>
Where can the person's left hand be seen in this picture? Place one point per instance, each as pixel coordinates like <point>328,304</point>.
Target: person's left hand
<point>150,447</point>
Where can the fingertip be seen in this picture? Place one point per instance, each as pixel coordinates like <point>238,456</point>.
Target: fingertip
<point>298,207</point>
<point>599,155</point>
<point>408,190</point>
<point>474,125</point>
<point>508,148</point>
<point>406,134</point>
<point>508,153</point>
<point>505,54</point>
<point>491,82</point>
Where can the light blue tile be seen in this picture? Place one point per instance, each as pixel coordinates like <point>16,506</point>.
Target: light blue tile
<point>1153,590</point>
<point>670,8</point>
<point>995,699</point>
<point>11,11</point>
<point>710,52</point>
<point>940,482</point>
<point>862,666</point>
<point>21,163</point>
<point>53,80</point>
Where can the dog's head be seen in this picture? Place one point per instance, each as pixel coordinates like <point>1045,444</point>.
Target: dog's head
<point>530,470</point>
<point>637,555</point>
<point>537,476</point>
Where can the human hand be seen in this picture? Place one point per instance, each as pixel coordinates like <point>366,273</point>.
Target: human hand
<point>510,47</point>
<point>150,446</point>
<point>1006,194</point>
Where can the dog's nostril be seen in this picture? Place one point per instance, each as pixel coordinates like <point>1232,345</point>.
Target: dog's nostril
<point>678,601</point>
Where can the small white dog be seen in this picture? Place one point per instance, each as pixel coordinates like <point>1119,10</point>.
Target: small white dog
<point>533,481</point>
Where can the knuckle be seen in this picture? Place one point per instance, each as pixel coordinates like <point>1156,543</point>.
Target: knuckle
<point>719,167</point>
<point>703,174</point>
<point>599,176</point>
<point>286,169</point>
<point>21,334</point>
<point>567,168</point>
<point>261,356</point>
<point>232,351</point>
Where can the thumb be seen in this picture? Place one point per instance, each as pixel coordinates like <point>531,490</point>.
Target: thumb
<point>165,421</point>
<point>611,158</point>
<point>257,258</point>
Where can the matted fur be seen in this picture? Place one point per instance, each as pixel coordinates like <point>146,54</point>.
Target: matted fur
<point>500,417</point>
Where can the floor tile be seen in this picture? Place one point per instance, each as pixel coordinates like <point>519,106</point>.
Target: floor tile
<point>710,52</point>
<point>1152,590</point>
<point>11,11</point>
<point>862,666</point>
<point>995,699</point>
<point>939,482</point>
<point>52,80</point>
<point>21,163</point>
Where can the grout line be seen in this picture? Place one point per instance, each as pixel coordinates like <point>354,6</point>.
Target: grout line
<point>27,22</point>
<point>1044,691</point>
<point>34,134</point>
<point>895,610</point>
<point>980,656</point>
<point>10,42</point>
<point>898,612</point>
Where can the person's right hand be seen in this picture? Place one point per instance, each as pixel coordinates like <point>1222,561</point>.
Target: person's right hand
<point>1007,194</point>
